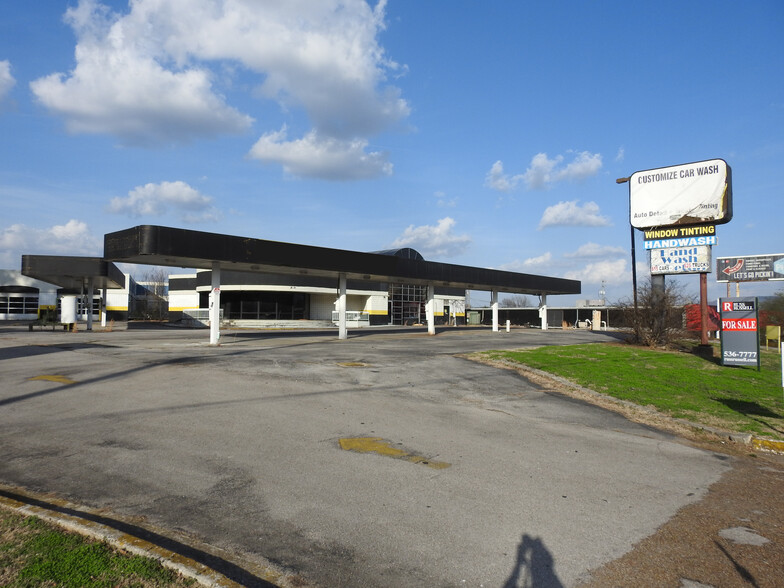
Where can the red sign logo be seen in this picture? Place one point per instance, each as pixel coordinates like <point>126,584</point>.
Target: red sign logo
<point>726,306</point>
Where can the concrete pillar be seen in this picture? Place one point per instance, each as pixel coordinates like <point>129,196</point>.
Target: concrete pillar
<point>89,304</point>
<point>430,313</point>
<point>103,307</point>
<point>215,304</point>
<point>342,331</point>
<point>543,311</point>
<point>494,306</point>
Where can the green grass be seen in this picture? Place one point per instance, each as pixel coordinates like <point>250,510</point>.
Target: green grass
<point>679,384</point>
<point>36,553</point>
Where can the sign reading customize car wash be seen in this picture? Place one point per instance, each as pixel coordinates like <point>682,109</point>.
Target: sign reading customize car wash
<point>697,193</point>
<point>739,337</point>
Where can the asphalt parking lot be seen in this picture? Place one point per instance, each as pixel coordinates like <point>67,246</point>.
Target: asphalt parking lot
<point>381,460</point>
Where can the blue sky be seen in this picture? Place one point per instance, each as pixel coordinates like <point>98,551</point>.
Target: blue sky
<point>479,133</point>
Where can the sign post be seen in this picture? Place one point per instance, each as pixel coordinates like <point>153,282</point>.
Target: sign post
<point>739,336</point>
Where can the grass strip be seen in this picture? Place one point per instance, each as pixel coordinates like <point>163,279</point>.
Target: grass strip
<point>34,552</point>
<point>679,384</point>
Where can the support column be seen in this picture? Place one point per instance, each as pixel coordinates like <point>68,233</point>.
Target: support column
<point>543,310</point>
<point>494,306</point>
<point>342,331</point>
<point>430,313</point>
<point>215,304</point>
<point>103,307</point>
<point>89,304</point>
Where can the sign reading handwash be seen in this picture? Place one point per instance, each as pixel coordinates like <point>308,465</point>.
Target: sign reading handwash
<point>682,260</point>
<point>739,337</point>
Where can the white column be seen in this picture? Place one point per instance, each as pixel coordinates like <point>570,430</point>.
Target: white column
<point>494,305</point>
<point>89,304</point>
<point>430,313</point>
<point>103,307</point>
<point>215,304</point>
<point>342,332</point>
<point>543,311</point>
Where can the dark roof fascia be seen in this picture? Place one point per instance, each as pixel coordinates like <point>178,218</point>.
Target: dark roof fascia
<point>71,273</point>
<point>157,245</point>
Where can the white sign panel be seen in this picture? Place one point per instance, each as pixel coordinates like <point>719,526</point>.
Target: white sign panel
<point>688,194</point>
<point>684,260</point>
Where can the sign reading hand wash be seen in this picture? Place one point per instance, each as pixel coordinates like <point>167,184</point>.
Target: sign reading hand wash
<point>689,194</point>
<point>739,337</point>
<point>683,260</point>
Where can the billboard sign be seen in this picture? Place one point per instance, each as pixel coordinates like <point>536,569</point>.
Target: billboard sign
<point>682,260</point>
<point>690,194</point>
<point>751,268</point>
<point>739,338</point>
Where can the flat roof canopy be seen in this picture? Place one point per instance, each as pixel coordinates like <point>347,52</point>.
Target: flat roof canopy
<point>166,246</point>
<point>71,272</point>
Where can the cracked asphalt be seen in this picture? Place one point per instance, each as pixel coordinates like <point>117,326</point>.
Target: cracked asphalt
<point>238,448</point>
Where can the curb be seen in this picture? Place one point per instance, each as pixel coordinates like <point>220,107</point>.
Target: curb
<point>67,516</point>
<point>756,443</point>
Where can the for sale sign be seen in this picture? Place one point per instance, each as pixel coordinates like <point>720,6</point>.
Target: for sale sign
<point>739,337</point>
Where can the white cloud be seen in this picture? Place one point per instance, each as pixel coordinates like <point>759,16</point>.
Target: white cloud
<point>612,272</point>
<point>156,199</point>
<point>532,263</point>
<point>7,81</point>
<point>498,180</point>
<point>594,250</point>
<point>621,154</point>
<point>120,85</point>
<point>146,76</point>
<point>570,214</point>
<point>326,158</point>
<point>72,238</point>
<point>438,241</point>
<point>544,171</point>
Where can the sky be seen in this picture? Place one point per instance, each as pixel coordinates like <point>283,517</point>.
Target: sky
<point>487,134</point>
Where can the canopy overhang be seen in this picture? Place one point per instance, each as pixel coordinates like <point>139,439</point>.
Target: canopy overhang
<point>166,246</point>
<point>73,273</point>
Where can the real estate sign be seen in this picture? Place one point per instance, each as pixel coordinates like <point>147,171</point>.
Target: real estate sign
<point>751,268</point>
<point>697,193</point>
<point>739,337</point>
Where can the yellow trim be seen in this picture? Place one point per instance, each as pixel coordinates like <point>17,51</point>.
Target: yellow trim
<point>377,312</point>
<point>181,308</point>
<point>47,307</point>
<point>116,308</point>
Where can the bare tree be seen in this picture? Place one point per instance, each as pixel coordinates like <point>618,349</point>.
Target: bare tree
<point>515,301</point>
<point>658,318</point>
<point>152,301</point>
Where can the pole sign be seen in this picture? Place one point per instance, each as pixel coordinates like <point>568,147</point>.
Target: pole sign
<point>682,260</point>
<point>739,337</point>
<point>751,268</point>
<point>697,193</point>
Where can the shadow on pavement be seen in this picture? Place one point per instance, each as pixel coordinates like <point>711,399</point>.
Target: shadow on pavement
<point>533,566</point>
